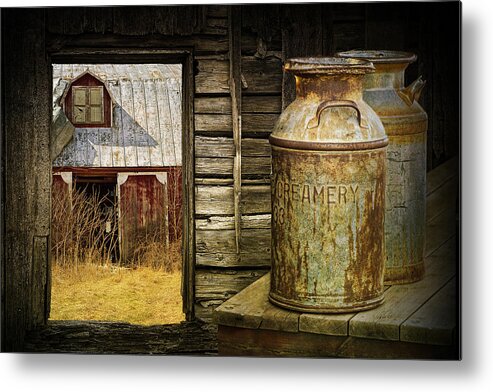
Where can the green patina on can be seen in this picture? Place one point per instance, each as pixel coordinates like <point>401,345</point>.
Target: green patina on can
<point>328,192</point>
<point>406,124</point>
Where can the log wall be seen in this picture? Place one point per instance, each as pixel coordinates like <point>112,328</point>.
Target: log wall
<point>231,247</point>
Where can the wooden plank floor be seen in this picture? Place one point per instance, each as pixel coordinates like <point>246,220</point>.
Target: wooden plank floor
<point>416,320</point>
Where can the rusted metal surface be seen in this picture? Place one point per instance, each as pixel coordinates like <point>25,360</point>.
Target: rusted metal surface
<point>328,192</point>
<point>406,125</point>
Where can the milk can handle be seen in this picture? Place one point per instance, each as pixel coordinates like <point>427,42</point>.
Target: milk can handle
<point>315,121</point>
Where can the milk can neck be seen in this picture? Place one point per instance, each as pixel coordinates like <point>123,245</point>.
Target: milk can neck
<point>330,87</point>
<point>386,76</point>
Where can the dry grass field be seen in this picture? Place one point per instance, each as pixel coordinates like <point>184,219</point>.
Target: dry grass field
<point>89,284</point>
<point>143,295</point>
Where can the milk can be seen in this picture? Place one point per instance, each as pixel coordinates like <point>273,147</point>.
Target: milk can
<point>405,124</point>
<point>328,192</point>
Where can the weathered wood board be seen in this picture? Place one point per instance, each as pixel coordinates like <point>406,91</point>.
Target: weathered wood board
<point>218,200</point>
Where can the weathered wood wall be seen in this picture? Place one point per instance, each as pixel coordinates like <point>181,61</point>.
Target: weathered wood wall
<point>269,34</point>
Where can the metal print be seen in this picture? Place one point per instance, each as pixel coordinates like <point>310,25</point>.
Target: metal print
<point>237,180</point>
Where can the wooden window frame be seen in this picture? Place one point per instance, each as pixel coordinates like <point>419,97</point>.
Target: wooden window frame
<point>59,336</point>
<point>87,105</point>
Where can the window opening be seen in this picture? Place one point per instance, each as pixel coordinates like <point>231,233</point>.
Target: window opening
<point>87,105</point>
<point>117,194</point>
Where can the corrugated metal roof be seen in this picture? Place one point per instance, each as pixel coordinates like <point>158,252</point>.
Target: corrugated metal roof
<point>146,129</point>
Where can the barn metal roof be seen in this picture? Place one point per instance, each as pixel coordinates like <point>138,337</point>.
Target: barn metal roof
<point>146,129</point>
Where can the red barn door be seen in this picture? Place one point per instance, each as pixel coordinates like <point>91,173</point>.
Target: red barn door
<point>143,216</point>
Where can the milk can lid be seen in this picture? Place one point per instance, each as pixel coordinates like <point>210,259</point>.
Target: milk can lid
<point>380,56</point>
<point>328,65</point>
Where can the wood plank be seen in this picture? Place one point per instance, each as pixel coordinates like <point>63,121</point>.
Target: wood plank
<point>235,341</point>
<point>227,223</point>
<point>268,343</point>
<point>249,103</point>
<point>230,260</point>
<point>212,76</point>
<point>435,321</point>
<point>203,43</point>
<point>262,75</point>
<point>222,147</point>
<point>278,319</point>
<point>213,123</point>
<point>122,338</point>
<point>439,230</point>
<point>246,309</point>
<point>261,124</point>
<point>229,181</point>
<point>234,27</point>
<point>443,199</point>
<point>262,104</point>
<point>218,200</point>
<point>384,322</point>
<point>252,124</point>
<point>213,285</point>
<point>40,279</point>
<point>259,166</point>
<point>442,174</point>
<point>252,44</point>
<point>223,241</point>
<point>188,273</point>
<point>381,349</point>
<point>26,156</point>
<point>205,312</point>
<point>212,105</point>
<point>252,309</point>
<point>217,10</point>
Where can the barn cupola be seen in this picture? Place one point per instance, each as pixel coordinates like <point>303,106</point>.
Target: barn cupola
<point>87,102</point>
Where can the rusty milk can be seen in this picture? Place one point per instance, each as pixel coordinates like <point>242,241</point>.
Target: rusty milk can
<point>405,124</point>
<point>328,192</point>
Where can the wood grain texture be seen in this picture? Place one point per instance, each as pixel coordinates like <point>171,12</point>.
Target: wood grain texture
<point>218,200</point>
<point>252,124</point>
<point>26,156</point>
<point>235,341</point>
<point>223,241</point>
<point>441,175</point>
<point>435,322</point>
<point>218,167</point>
<point>211,76</point>
<point>443,200</point>
<point>269,343</point>
<point>122,338</point>
<point>262,75</point>
<point>40,287</point>
<point>246,309</point>
<point>125,20</point>
<point>222,147</point>
<point>249,103</point>
<point>382,349</point>
<point>202,43</point>
<point>384,322</point>
<point>261,221</point>
<point>222,284</point>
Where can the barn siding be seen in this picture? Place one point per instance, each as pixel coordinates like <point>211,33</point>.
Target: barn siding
<point>269,34</point>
